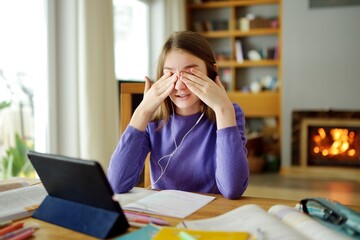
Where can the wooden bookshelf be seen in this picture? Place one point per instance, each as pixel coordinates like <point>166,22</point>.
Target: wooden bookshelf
<point>199,14</point>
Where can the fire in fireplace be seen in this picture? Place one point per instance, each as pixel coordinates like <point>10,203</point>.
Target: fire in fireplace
<point>334,143</point>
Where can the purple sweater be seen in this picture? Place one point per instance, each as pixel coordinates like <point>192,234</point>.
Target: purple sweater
<point>208,160</point>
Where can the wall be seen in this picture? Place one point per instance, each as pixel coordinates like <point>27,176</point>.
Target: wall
<point>321,61</point>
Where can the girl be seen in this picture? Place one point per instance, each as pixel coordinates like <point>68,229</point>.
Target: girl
<point>194,134</point>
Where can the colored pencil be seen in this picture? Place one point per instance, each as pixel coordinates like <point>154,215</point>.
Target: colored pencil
<point>11,228</point>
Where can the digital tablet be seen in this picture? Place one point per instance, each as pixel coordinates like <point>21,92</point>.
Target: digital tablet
<point>77,180</point>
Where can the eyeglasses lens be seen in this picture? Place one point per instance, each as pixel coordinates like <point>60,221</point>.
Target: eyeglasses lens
<point>322,212</point>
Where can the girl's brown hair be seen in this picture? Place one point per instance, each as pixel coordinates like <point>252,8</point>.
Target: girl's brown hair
<point>197,45</point>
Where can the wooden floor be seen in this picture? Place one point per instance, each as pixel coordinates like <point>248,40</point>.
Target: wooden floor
<point>284,187</point>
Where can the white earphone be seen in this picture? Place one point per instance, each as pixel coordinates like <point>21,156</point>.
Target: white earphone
<point>176,146</point>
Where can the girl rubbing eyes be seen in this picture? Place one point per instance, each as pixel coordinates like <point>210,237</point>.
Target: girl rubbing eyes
<point>194,134</point>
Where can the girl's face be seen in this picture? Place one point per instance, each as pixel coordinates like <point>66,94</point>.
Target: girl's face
<point>176,62</point>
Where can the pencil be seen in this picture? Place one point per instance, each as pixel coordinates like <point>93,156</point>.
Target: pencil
<point>9,235</point>
<point>24,235</point>
<point>145,219</point>
<point>5,223</point>
<point>11,228</point>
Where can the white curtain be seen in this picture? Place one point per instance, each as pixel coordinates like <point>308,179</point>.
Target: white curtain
<point>98,100</point>
<point>83,91</point>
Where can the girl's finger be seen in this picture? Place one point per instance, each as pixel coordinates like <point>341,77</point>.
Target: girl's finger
<point>199,74</point>
<point>193,87</point>
<point>147,84</point>
<point>201,84</point>
<point>188,77</point>
<point>219,83</point>
<point>165,82</point>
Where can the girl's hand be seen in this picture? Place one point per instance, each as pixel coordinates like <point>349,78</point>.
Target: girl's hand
<point>154,95</point>
<point>213,94</point>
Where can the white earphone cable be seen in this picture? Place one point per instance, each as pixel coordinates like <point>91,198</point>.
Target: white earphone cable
<point>163,170</point>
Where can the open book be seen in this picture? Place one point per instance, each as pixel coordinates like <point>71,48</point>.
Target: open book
<point>20,202</point>
<point>280,222</point>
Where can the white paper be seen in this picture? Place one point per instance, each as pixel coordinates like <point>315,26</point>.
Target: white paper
<point>133,195</point>
<point>171,203</point>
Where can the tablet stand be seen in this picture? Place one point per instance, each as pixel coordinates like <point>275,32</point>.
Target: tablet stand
<point>83,218</point>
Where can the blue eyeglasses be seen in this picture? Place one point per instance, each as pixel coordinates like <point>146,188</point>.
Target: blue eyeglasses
<point>333,214</point>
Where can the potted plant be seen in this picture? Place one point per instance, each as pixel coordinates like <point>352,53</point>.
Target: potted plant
<point>15,162</point>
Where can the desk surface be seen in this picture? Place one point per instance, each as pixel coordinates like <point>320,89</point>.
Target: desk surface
<point>219,206</point>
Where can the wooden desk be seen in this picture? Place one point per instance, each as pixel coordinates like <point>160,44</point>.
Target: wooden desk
<point>219,206</point>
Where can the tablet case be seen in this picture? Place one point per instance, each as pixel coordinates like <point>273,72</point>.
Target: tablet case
<point>80,196</point>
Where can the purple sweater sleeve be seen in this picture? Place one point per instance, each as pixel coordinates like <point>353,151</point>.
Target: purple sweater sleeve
<point>127,161</point>
<point>232,170</point>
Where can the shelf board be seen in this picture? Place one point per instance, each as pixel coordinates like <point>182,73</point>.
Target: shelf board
<point>256,32</point>
<point>233,3</point>
<point>132,87</point>
<point>262,104</point>
<point>247,63</point>
<point>238,33</point>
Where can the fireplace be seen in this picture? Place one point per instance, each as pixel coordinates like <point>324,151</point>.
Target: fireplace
<point>326,143</point>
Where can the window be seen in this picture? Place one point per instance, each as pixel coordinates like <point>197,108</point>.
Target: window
<point>23,72</point>
<point>131,36</point>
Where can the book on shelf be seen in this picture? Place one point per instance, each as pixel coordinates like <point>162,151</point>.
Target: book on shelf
<point>239,51</point>
<point>276,51</point>
<point>198,26</point>
<point>208,26</point>
<point>20,202</point>
<point>279,222</point>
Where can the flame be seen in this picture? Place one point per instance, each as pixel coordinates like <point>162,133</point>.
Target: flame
<point>337,143</point>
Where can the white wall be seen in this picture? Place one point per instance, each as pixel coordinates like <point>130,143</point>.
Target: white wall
<point>321,61</point>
